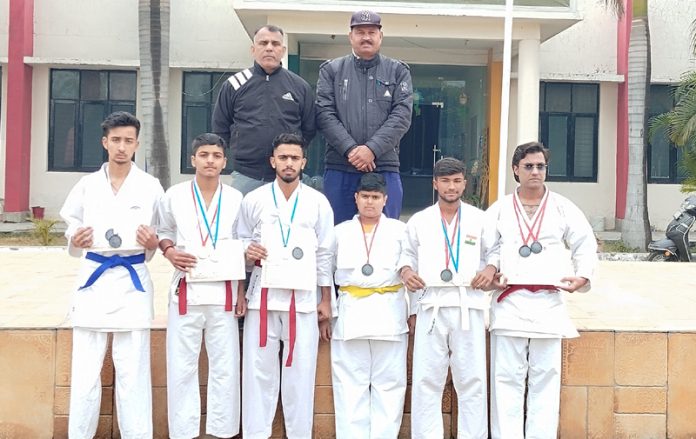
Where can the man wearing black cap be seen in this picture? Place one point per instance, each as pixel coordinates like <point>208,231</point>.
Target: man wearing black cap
<point>364,103</point>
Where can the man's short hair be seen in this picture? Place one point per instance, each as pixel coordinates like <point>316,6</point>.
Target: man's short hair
<point>528,148</point>
<point>448,166</point>
<point>206,139</point>
<point>372,182</point>
<point>289,139</point>
<point>270,28</point>
<point>120,119</point>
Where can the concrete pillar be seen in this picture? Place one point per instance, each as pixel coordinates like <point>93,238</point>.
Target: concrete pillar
<point>18,125</point>
<point>528,91</point>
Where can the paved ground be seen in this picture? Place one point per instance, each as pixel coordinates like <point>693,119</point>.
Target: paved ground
<point>634,296</point>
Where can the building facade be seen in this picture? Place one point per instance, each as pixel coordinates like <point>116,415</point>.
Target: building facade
<point>62,72</point>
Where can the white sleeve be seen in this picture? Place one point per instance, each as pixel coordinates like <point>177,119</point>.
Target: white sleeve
<point>581,240</point>
<point>409,258</point>
<point>154,222</point>
<point>167,222</point>
<point>490,237</point>
<point>325,243</point>
<point>72,213</point>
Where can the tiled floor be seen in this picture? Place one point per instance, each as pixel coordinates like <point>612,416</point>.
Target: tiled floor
<point>626,296</point>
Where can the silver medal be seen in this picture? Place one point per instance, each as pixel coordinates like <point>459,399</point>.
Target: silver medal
<point>297,253</point>
<point>367,269</point>
<point>115,241</point>
<point>446,275</point>
<point>536,247</point>
<point>525,251</point>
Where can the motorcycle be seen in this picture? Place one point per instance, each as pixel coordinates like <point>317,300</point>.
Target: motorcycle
<point>675,248</point>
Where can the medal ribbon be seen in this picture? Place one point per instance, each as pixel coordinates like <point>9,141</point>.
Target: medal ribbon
<point>372,240</point>
<point>196,196</point>
<point>448,243</point>
<point>285,237</point>
<point>536,224</point>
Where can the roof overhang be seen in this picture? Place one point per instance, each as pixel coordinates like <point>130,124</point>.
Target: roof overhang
<point>307,19</point>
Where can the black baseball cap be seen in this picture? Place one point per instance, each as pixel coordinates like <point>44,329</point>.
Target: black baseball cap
<point>365,18</point>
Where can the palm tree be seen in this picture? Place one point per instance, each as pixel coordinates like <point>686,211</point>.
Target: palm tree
<point>635,227</point>
<point>679,125</point>
<point>153,26</point>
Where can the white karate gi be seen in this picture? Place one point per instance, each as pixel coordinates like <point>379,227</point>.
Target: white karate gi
<point>370,335</point>
<point>450,330</point>
<point>527,327</point>
<point>111,304</point>
<point>261,378</point>
<point>181,221</point>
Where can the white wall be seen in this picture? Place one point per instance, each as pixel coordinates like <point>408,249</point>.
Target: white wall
<point>593,43</point>
<point>670,22</point>
<point>207,34</point>
<point>87,31</point>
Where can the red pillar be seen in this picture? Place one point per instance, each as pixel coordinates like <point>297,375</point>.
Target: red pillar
<point>18,125</point>
<point>623,38</point>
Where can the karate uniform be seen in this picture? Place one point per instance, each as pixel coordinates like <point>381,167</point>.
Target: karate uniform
<point>312,226</point>
<point>182,222</point>
<point>112,303</point>
<point>370,335</point>
<point>450,329</point>
<point>527,326</point>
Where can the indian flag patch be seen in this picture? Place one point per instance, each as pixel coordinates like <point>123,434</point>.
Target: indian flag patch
<point>470,239</point>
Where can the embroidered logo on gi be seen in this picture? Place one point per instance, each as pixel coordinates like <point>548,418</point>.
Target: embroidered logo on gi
<point>288,97</point>
<point>387,94</point>
<point>470,239</point>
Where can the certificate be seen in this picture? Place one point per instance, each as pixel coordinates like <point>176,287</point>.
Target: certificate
<point>432,267</point>
<point>117,230</point>
<point>548,267</point>
<point>291,266</point>
<point>225,262</point>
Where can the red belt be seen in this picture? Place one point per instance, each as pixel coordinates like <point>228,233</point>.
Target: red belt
<point>533,288</point>
<point>263,322</point>
<point>228,295</point>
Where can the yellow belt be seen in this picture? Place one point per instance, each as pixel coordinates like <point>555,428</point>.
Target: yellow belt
<point>364,292</point>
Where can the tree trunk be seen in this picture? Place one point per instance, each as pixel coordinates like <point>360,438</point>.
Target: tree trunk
<point>635,227</point>
<point>153,24</point>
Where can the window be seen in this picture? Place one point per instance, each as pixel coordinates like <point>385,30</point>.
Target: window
<point>200,93</point>
<point>568,121</point>
<point>80,101</point>
<point>663,156</point>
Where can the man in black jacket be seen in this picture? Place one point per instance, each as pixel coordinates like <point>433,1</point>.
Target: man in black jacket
<point>364,103</point>
<point>257,104</point>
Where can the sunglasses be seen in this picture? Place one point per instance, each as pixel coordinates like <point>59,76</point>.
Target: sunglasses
<point>530,166</point>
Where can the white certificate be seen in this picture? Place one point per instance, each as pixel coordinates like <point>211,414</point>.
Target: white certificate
<point>548,267</point>
<point>432,262</point>
<point>117,230</point>
<point>225,262</point>
<point>291,266</point>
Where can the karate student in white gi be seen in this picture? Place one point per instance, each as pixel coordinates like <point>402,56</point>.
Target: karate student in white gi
<point>442,262</point>
<point>529,233</point>
<point>288,230</point>
<point>197,219</point>
<point>370,335</point>
<point>110,214</point>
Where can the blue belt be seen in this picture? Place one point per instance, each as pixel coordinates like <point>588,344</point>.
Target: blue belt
<point>115,261</point>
